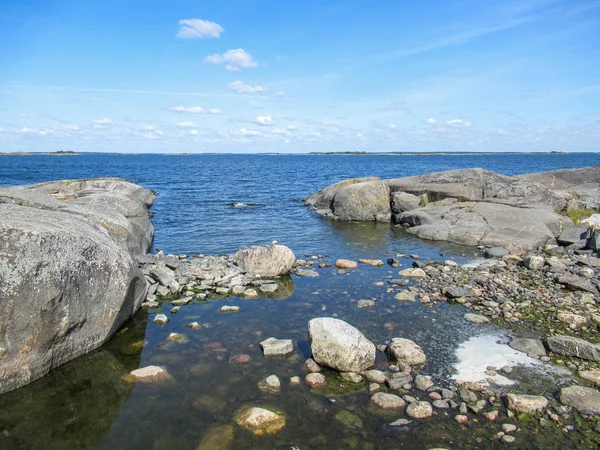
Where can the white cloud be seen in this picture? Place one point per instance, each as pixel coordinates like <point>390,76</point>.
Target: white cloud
<point>502,132</point>
<point>233,59</point>
<point>103,121</point>
<point>194,132</point>
<point>281,131</point>
<point>28,130</point>
<point>291,127</point>
<point>194,110</point>
<point>186,124</point>
<point>246,132</point>
<point>265,120</point>
<point>243,88</point>
<point>458,123</point>
<point>391,126</point>
<point>431,121</point>
<point>198,28</point>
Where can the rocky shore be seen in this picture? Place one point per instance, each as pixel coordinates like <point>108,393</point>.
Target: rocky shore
<point>468,206</point>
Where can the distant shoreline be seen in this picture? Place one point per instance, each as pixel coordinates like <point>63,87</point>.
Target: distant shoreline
<point>62,153</point>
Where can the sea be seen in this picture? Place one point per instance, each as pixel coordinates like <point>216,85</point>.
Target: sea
<point>216,204</point>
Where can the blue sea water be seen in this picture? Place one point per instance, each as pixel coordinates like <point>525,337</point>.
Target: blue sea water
<point>216,204</point>
<point>200,206</point>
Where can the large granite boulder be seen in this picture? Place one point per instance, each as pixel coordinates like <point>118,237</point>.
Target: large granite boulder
<point>361,199</point>
<point>265,261</point>
<point>490,224</point>
<point>69,279</point>
<point>337,344</point>
<point>575,347</point>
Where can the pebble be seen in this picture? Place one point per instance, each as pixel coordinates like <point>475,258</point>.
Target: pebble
<point>227,308</point>
<point>160,319</point>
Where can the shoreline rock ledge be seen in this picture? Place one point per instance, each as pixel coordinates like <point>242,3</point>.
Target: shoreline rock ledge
<point>470,206</point>
<point>68,275</point>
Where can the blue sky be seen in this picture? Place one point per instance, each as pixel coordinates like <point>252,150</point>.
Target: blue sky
<point>274,76</point>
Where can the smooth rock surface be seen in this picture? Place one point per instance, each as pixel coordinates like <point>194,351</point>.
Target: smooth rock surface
<point>337,344</point>
<point>405,350</point>
<point>526,403</point>
<point>69,279</point>
<point>277,347</point>
<point>572,346</point>
<point>265,261</point>
<point>585,400</point>
<point>260,420</point>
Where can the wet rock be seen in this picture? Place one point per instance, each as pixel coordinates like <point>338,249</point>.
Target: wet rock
<point>150,304</point>
<point>219,438</point>
<point>307,273</point>
<point>457,292</point>
<point>346,264</point>
<point>461,419</point>
<point>177,337</point>
<point>375,376</point>
<point>413,273</point>
<point>295,380</point>
<point>406,296</point>
<point>571,346</point>
<point>533,262</point>
<point>160,319</point>
<point>371,262</point>
<point>467,396</point>
<point>528,404</point>
<point>315,379</point>
<point>585,400</point>
<point>396,381</point>
<point>148,374</point>
<point>374,387</point>
<point>419,410</point>
<point>388,401</point>
<point>311,366</point>
<point>166,278</point>
<point>406,351</point>
<point>533,347</point>
<point>441,404</point>
<point>491,415</point>
<point>270,384</point>
<point>268,287</point>
<point>476,318</point>
<point>496,252</point>
<point>250,293</point>
<point>363,304</point>
<point>423,382</point>
<point>194,325</point>
<point>277,347</point>
<point>239,359</point>
<point>349,419</point>
<point>509,427</point>
<point>592,375</point>
<point>259,420</point>
<point>571,318</point>
<point>265,261</point>
<point>228,308</point>
<point>337,344</point>
<point>351,377</point>
<point>577,283</point>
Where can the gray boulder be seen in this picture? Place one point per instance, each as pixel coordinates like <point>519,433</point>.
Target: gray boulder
<point>533,347</point>
<point>265,261</point>
<point>583,399</point>
<point>336,344</point>
<point>321,200</point>
<point>366,201</point>
<point>406,351</point>
<point>571,346</point>
<point>69,281</point>
<point>402,201</point>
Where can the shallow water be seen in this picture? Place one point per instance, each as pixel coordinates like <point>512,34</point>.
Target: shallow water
<point>85,404</point>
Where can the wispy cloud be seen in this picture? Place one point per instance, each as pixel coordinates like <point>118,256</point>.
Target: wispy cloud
<point>194,110</point>
<point>243,88</point>
<point>265,120</point>
<point>198,28</point>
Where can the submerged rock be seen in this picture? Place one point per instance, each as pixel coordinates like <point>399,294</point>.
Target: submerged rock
<point>476,318</point>
<point>219,438</point>
<point>336,344</point>
<point>277,347</point>
<point>526,403</point>
<point>259,420</point>
<point>388,401</point>
<point>349,419</point>
<point>419,410</point>
<point>148,374</point>
<point>533,347</point>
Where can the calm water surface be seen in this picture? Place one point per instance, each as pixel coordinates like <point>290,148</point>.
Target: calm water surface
<point>85,404</point>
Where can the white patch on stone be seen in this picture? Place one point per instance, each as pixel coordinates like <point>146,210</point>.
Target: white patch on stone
<point>480,352</point>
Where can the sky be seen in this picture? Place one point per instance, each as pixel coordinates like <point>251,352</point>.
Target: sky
<point>294,77</point>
